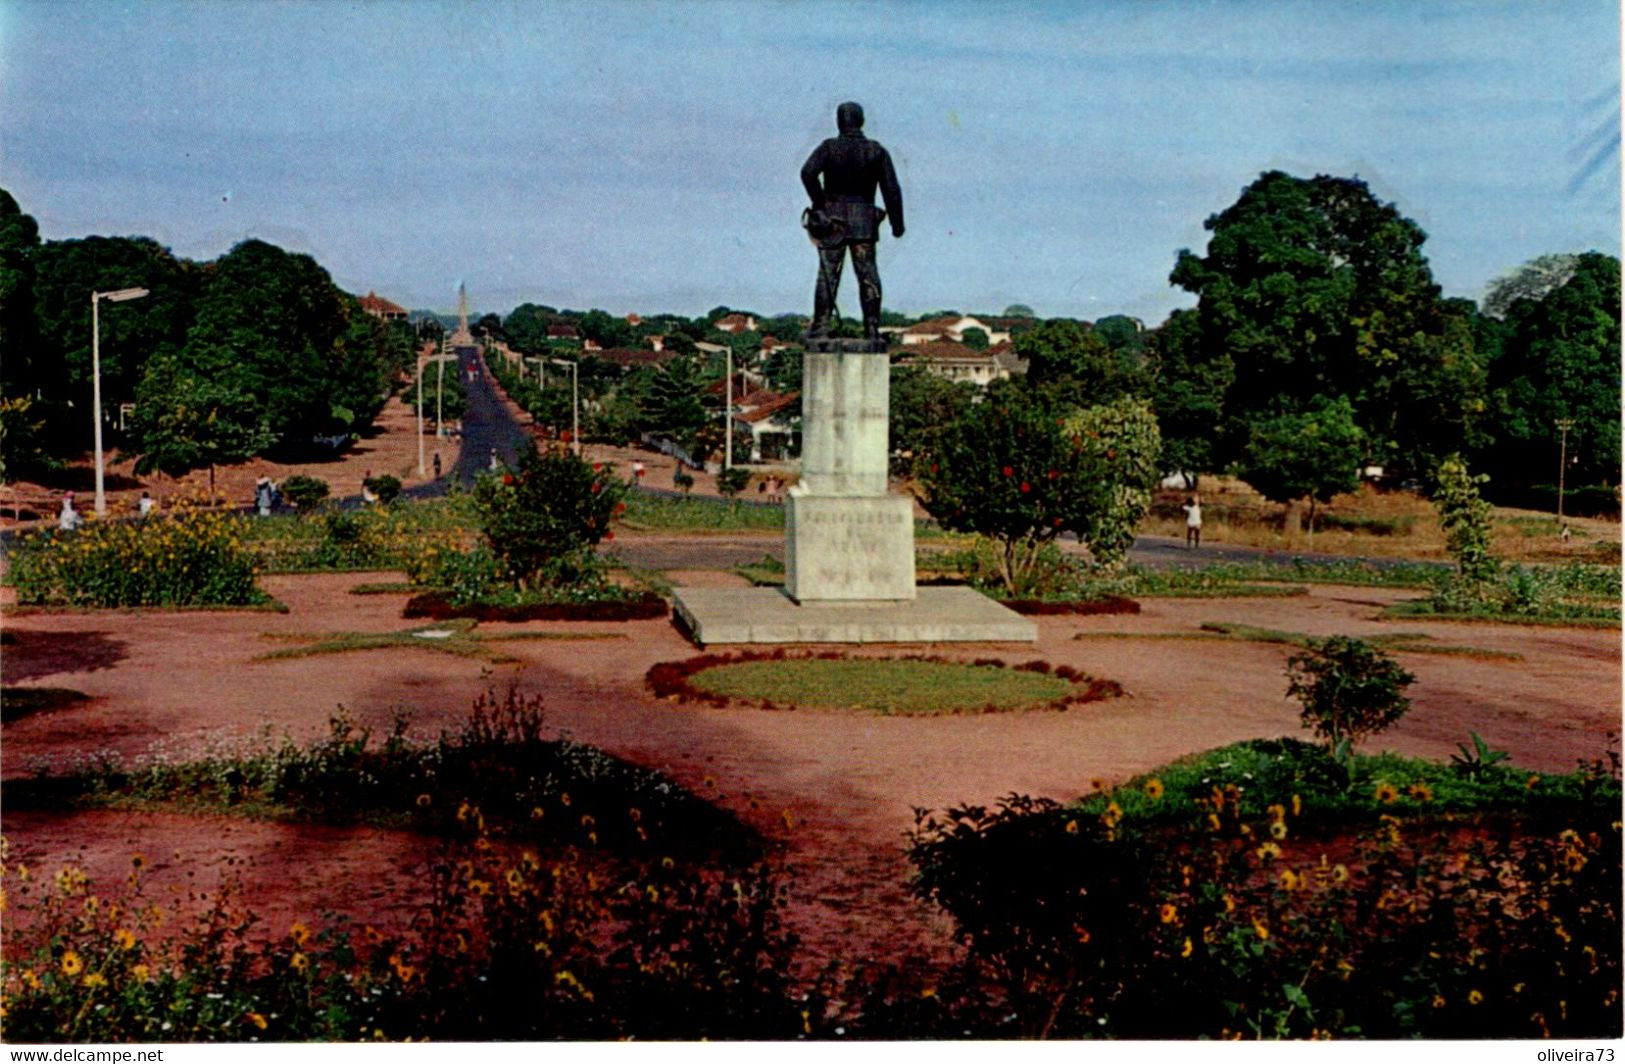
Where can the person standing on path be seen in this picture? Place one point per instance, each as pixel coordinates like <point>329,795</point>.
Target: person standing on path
<point>1193,522</point>
<point>264,496</point>
<point>69,519</point>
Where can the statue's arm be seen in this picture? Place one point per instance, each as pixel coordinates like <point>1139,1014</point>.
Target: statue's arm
<point>891,193</point>
<point>809,177</point>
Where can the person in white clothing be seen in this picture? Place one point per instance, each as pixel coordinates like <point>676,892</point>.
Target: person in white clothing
<point>1193,522</point>
<point>69,519</point>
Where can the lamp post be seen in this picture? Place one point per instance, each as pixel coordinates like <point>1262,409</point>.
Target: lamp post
<point>575,404</point>
<point>728,415</point>
<point>96,379</point>
<point>1563,426</point>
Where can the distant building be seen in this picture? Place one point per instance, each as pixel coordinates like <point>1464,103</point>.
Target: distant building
<point>956,362</point>
<point>737,323</point>
<point>951,328</point>
<point>628,357</point>
<point>382,308</point>
<point>561,331</point>
<point>773,422</point>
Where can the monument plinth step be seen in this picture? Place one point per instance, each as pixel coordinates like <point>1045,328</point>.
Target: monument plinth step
<point>766,615</point>
<point>826,345</point>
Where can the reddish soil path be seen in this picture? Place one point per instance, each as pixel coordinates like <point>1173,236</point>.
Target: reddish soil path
<point>169,684</point>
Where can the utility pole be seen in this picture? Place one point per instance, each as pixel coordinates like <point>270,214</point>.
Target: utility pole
<point>419,376</point>
<point>1563,425</point>
<point>728,416</point>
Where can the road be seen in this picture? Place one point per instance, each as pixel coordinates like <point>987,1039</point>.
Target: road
<point>487,427</point>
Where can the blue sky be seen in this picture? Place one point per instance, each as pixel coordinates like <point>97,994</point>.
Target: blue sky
<point>644,156</point>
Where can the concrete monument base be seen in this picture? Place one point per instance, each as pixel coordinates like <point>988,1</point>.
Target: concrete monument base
<point>848,548</point>
<point>767,615</point>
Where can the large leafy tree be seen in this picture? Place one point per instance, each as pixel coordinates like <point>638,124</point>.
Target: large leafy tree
<point>185,420</point>
<point>922,404</point>
<point>1189,383</point>
<point>526,327</point>
<point>19,238</point>
<point>1073,357</point>
<point>267,326</point>
<point>1022,468</point>
<point>1310,454</point>
<point>1560,360</point>
<point>67,272</point>
<point>1315,289</point>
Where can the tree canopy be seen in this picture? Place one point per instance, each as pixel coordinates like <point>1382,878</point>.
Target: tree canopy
<point>1314,288</point>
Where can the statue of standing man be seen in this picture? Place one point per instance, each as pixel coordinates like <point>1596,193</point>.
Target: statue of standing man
<point>844,217</point>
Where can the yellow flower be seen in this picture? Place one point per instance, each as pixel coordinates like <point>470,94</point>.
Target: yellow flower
<point>423,801</point>
<point>1153,789</point>
<point>1083,933</point>
<point>536,812</point>
<point>71,963</point>
<point>1277,812</point>
<point>1289,879</point>
<point>1169,913</point>
<point>564,798</point>
<point>1438,1001</point>
<point>1071,827</point>
<point>479,887</point>
<point>1420,791</point>
<point>1532,782</point>
<point>256,1019</point>
<point>1268,851</point>
<point>1474,997</point>
<point>1340,873</point>
<point>299,933</point>
<point>1097,784</point>
<point>299,962</point>
<point>1297,805</point>
<point>95,979</point>
<point>1386,793</point>
<point>1261,929</point>
<point>1278,830</point>
<point>1185,950</point>
<point>137,862</point>
<point>123,938</point>
<point>140,973</point>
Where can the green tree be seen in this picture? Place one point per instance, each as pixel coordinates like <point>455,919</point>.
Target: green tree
<point>1465,518</point>
<point>674,404</point>
<point>1349,690</point>
<point>184,421</point>
<point>1022,469</point>
<point>19,354</point>
<point>1316,289</point>
<point>1019,310</point>
<point>67,272</point>
<point>975,339</point>
<point>604,330</point>
<point>1312,455</point>
<point>783,369</point>
<point>1187,393</point>
<point>1560,359</point>
<point>22,440</point>
<point>1071,356</point>
<point>923,404</point>
<point>544,518</point>
<point>526,328</point>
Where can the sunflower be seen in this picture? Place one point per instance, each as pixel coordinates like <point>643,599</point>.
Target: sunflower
<point>1153,789</point>
<point>299,962</point>
<point>72,964</point>
<point>1386,793</point>
<point>1169,913</point>
<point>124,938</point>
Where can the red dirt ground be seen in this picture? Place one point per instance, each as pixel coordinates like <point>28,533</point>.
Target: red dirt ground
<point>168,684</point>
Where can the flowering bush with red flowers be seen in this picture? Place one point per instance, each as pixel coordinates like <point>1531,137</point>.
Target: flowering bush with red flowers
<point>544,518</point>
<point>1022,470</point>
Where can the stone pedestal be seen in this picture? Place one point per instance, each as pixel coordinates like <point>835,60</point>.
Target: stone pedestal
<point>846,539</point>
<point>849,545</point>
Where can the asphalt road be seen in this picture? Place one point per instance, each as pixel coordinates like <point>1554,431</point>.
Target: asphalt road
<point>487,427</point>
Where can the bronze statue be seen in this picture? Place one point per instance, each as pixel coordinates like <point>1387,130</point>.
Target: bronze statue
<point>844,216</point>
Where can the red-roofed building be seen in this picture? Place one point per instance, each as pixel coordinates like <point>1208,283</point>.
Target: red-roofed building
<point>774,424</point>
<point>382,308</point>
<point>737,323</point>
<point>627,357</point>
<point>561,331</point>
<point>950,328</point>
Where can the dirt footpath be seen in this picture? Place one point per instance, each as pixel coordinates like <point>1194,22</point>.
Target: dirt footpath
<point>175,684</point>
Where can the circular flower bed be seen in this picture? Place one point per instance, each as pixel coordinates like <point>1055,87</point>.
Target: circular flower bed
<point>915,685</point>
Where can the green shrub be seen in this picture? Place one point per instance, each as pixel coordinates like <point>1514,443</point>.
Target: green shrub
<point>385,487</point>
<point>188,558</point>
<point>304,493</point>
<point>1349,689</point>
<point>731,482</point>
<point>1465,518</point>
<point>544,519</point>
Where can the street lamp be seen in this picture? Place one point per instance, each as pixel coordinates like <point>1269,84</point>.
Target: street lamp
<point>728,414</point>
<point>96,379</point>
<point>575,404</point>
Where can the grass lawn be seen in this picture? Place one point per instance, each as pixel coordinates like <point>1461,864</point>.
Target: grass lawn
<point>882,686</point>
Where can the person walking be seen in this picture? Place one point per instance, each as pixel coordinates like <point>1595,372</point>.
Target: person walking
<point>264,496</point>
<point>1193,522</point>
<point>145,504</point>
<point>368,496</point>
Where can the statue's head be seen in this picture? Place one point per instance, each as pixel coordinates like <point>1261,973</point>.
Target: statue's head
<point>849,117</point>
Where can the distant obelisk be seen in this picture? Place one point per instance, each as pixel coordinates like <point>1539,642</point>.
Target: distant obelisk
<point>462,337</point>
